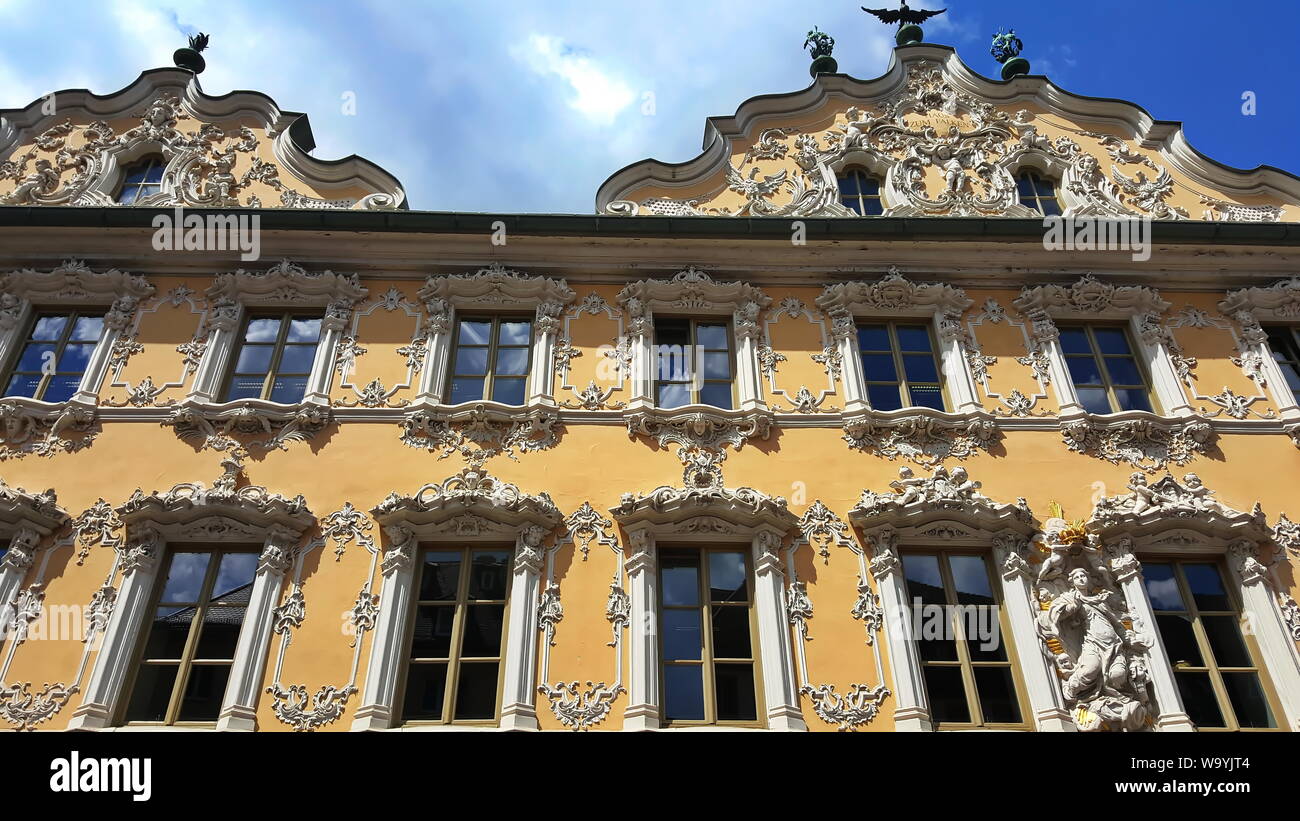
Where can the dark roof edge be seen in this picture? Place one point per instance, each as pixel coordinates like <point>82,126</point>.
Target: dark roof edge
<point>758,228</point>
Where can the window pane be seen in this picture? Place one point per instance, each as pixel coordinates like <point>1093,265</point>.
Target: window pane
<point>712,337</point>
<point>297,358</point>
<point>87,329</point>
<point>1083,370</point>
<point>23,385</point>
<point>254,359</point>
<point>476,693</point>
<point>673,396</point>
<point>262,329</point>
<point>1124,370</point>
<point>873,207</point>
<point>1094,400</point>
<point>303,330</point>
<point>1180,641</point>
<point>849,183</point>
<point>920,368</point>
<point>970,577</point>
<point>1207,587</point>
<point>913,338</point>
<point>512,361</point>
<point>245,387</point>
<point>475,332</point>
<point>482,637</point>
<point>61,388</point>
<point>508,391</point>
<point>1247,699</point>
<point>672,332</point>
<point>684,692</point>
<point>426,688</point>
<point>727,576</point>
<point>439,575</point>
<point>926,396</point>
<point>1292,376</point>
<point>717,366</point>
<point>1025,186</point>
<point>1133,399</point>
<point>204,691</point>
<point>947,695</point>
<point>873,338</point>
<point>735,692</point>
<point>1224,635</point>
<point>923,579</point>
<point>472,361</point>
<point>488,573</point>
<point>683,639</point>
<point>466,390</point>
<point>288,389</point>
<point>516,333</point>
<point>730,632</point>
<point>234,574</point>
<point>879,367</point>
<point>1049,207</point>
<point>1199,699</point>
<point>679,579</point>
<point>1074,340</point>
<point>716,394</point>
<point>1112,340</point>
<point>185,577</point>
<point>219,633</point>
<point>34,357</point>
<point>168,632</point>
<point>431,635</point>
<point>1162,587</point>
<point>997,694</point>
<point>153,692</point>
<point>49,327</point>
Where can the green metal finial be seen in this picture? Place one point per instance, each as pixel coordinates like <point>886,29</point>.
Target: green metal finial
<point>199,41</point>
<point>189,58</point>
<point>820,45</point>
<point>909,21</point>
<point>1006,50</point>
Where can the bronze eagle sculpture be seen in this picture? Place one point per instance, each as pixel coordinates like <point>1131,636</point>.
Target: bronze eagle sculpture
<point>904,15</point>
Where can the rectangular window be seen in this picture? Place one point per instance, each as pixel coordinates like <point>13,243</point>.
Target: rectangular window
<point>273,360</point>
<point>963,641</point>
<point>899,366</point>
<point>706,617</point>
<point>1106,374</point>
<point>54,355</point>
<point>189,646</point>
<point>1284,342</point>
<point>457,635</point>
<point>1216,665</point>
<point>693,363</point>
<point>491,359</point>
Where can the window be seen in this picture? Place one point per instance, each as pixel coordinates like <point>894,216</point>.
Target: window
<point>1284,342</point>
<point>54,356</point>
<point>456,637</point>
<point>860,193</point>
<point>707,626</point>
<point>141,179</point>
<point>190,645</point>
<point>693,363</point>
<point>1216,666</point>
<point>492,358</point>
<point>1106,374</point>
<point>1038,194</point>
<point>274,359</point>
<point>963,639</point>
<point>900,366</point>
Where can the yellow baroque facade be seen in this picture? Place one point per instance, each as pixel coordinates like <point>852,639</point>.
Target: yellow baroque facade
<point>816,431</point>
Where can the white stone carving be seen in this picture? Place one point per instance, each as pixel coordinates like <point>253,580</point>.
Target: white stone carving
<point>480,431</point>
<point>922,438</point>
<point>1146,444</point>
<point>850,710</point>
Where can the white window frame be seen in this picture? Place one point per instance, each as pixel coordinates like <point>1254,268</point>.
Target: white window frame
<point>1274,304</point>
<point>191,513</point>
<point>468,508</point>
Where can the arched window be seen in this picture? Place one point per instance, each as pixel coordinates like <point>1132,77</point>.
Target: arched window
<point>143,178</point>
<point>860,193</point>
<point>1038,193</point>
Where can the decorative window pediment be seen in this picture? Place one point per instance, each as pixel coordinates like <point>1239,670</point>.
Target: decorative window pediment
<point>471,503</point>
<point>25,520</point>
<point>943,496</point>
<point>1187,505</point>
<point>694,291</point>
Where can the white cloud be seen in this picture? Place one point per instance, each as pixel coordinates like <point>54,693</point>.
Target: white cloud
<point>596,94</point>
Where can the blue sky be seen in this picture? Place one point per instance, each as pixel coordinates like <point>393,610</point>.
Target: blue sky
<point>506,105</point>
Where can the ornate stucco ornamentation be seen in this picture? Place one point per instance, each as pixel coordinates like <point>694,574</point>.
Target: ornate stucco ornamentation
<point>581,709</point>
<point>1147,503</point>
<point>481,431</point>
<point>1286,534</point>
<point>345,526</point>
<point>234,425</point>
<point>706,430</point>
<point>799,607</point>
<point>942,490</point>
<point>494,285</point>
<point>924,439</point>
<point>850,710</point>
<point>1221,211</point>
<point>1089,295</point>
<point>550,612</point>
<point>586,525</point>
<point>24,709</point>
<point>472,491</point>
<point>1099,653</point>
<point>1149,194</point>
<point>1146,444</point>
<point>97,525</point>
<point>821,528</point>
<point>28,427</point>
